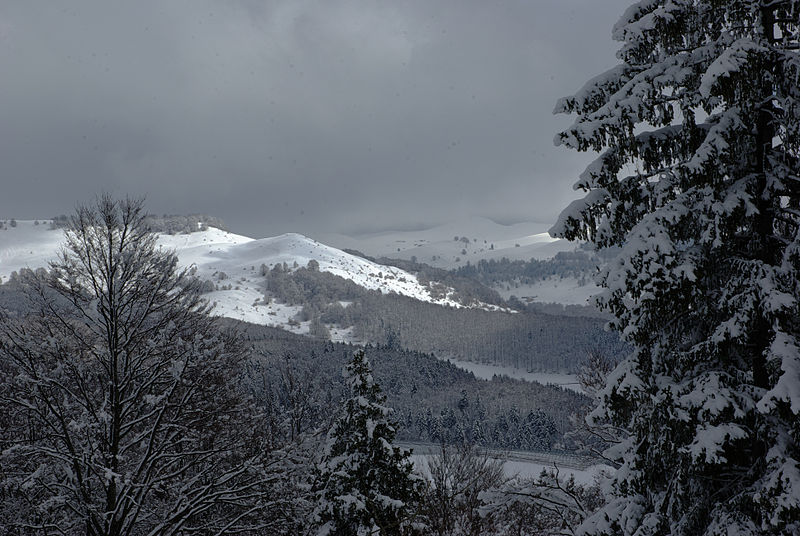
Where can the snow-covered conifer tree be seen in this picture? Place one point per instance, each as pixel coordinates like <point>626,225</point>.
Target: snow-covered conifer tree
<point>366,483</point>
<point>698,182</point>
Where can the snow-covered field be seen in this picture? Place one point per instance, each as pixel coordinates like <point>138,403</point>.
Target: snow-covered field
<point>486,372</point>
<point>27,246</point>
<point>232,260</point>
<point>452,245</point>
<point>530,469</point>
<point>471,240</point>
<point>240,259</point>
<point>564,290</point>
<point>215,251</point>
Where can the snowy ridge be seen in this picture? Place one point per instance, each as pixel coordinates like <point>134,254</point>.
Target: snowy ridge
<point>214,252</point>
<point>453,245</point>
<point>232,260</point>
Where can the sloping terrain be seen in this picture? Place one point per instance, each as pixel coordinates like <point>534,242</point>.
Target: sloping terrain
<point>235,264</point>
<point>301,285</point>
<point>454,244</point>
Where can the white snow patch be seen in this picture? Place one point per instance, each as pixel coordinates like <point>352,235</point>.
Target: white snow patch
<point>478,238</point>
<point>213,252</point>
<point>564,290</point>
<point>486,372</point>
<point>28,246</point>
<point>237,255</point>
<point>525,469</point>
<point>342,335</point>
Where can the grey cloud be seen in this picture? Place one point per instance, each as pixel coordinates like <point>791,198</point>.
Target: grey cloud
<point>296,115</point>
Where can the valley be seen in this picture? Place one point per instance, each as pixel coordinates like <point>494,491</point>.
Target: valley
<point>303,286</point>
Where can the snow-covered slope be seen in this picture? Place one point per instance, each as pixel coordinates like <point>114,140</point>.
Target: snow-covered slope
<point>240,258</point>
<point>452,245</point>
<point>234,264</point>
<point>563,290</point>
<point>31,244</point>
<point>231,260</point>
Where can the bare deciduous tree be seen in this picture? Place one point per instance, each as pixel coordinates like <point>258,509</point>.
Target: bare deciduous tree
<point>118,406</point>
<point>548,505</point>
<point>594,371</point>
<point>593,432</point>
<point>459,474</point>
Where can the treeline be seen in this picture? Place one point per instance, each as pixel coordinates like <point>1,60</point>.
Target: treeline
<point>578,264</point>
<point>167,223</point>
<point>468,289</point>
<point>527,340</point>
<point>296,378</point>
<point>478,282</point>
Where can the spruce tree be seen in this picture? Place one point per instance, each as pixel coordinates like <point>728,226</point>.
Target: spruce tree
<point>698,183</point>
<point>366,483</point>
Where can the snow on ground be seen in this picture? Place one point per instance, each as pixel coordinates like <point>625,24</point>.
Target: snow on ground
<point>230,259</point>
<point>452,245</point>
<point>246,304</point>
<point>343,335</point>
<point>27,246</point>
<point>529,469</point>
<point>216,251</point>
<point>586,476</point>
<point>486,372</point>
<point>565,290</point>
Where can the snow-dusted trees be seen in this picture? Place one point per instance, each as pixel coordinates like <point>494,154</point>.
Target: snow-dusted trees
<point>119,413</point>
<point>550,504</point>
<point>366,484</point>
<point>698,181</point>
<point>452,505</point>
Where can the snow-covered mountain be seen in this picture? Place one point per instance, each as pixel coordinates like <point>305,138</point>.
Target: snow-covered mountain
<point>234,263</point>
<point>454,244</point>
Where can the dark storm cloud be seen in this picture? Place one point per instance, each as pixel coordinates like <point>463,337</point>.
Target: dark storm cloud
<point>296,115</point>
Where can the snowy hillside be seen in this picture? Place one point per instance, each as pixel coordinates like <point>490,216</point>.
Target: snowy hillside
<point>452,245</point>
<point>30,244</point>
<point>566,291</point>
<point>234,263</point>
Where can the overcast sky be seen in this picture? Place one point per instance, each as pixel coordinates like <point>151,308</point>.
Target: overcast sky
<point>308,116</point>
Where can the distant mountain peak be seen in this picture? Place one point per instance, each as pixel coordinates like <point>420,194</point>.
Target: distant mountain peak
<point>234,265</point>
